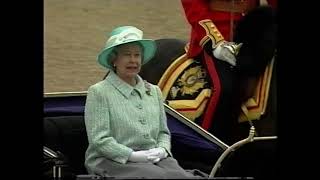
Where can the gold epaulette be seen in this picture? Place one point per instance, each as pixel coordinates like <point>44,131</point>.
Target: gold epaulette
<point>212,33</point>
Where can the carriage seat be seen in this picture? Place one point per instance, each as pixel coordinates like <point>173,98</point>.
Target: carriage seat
<point>67,134</point>
<point>65,131</point>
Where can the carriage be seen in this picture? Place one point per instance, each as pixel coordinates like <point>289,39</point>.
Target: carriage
<point>192,146</point>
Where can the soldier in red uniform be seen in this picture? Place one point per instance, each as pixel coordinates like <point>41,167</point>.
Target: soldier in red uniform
<point>215,19</point>
<point>229,54</point>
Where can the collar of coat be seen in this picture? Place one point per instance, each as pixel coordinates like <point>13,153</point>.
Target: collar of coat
<point>126,89</point>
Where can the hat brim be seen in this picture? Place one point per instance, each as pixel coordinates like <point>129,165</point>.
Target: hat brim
<point>149,47</point>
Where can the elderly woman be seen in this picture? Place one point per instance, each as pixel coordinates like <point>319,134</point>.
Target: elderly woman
<point>124,115</point>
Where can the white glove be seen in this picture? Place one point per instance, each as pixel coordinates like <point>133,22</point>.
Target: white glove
<point>141,156</point>
<point>226,51</point>
<point>156,154</point>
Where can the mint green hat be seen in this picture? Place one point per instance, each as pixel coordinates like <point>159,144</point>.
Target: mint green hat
<point>123,35</point>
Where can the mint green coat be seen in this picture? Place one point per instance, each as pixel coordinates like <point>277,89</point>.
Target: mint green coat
<point>120,119</point>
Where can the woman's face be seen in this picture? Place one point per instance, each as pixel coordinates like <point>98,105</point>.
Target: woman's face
<point>128,60</point>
